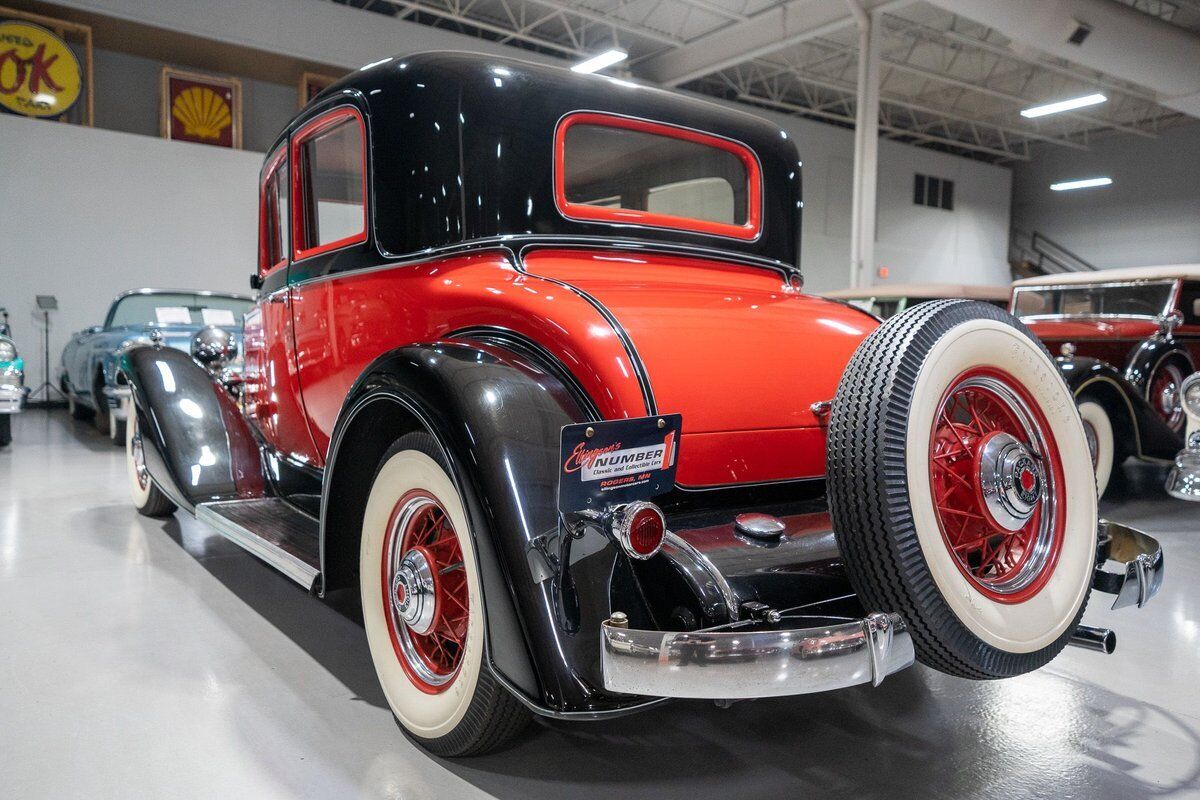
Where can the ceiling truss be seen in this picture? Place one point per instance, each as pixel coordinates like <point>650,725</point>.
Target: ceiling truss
<point>947,82</point>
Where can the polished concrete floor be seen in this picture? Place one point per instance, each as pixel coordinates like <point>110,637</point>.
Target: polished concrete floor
<point>148,659</point>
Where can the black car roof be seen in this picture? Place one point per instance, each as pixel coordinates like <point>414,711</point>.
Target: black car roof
<point>462,149</point>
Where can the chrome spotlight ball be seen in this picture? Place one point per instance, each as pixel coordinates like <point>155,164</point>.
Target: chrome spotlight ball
<point>214,347</point>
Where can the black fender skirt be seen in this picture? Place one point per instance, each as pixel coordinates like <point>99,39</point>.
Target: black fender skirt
<point>197,446</point>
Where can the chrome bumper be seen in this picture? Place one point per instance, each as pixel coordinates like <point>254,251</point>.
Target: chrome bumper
<point>1140,559</point>
<point>12,395</point>
<point>738,663</point>
<point>1184,480</point>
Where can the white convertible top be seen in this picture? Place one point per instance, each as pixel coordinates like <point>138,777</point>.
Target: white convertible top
<point>932,290</point>
<point>1121,275</point>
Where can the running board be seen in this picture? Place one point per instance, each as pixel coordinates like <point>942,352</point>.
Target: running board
<point>271,529</point>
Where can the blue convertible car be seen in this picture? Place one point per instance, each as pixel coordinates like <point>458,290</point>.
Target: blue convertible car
<point>140,316</point>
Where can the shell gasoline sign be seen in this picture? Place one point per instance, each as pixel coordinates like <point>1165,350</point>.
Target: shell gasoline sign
<point>39,75</point>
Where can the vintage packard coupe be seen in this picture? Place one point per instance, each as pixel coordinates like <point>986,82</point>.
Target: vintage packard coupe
<point>88,374</point>
<point>1126,339</point>
<point>532,371</point>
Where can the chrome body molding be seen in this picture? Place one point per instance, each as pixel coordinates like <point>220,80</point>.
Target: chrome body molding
<point>737,662</point>
<point>1141,565</point>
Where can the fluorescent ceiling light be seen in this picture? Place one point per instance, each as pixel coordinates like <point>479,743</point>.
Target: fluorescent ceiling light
<point>1086,183</point>
<point>1064,105</point>
<point>597,63</point>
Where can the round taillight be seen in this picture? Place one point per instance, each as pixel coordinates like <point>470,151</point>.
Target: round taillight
<point>640,528</point>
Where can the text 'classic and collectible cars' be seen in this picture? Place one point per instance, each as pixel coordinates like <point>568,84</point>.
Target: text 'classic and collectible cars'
<point>531,369</point>
<point>1126,339</point>
<point>89,375</point>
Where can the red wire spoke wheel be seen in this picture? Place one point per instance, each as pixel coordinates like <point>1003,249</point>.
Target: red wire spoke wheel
<point>1164,395</point>
<point>425,591</point>
<point>962,488</point>
<point>997,482</point>
<point>423,607</point>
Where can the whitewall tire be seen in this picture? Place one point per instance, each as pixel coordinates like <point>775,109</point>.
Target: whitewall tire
<point>423,610</point>
<point>116,427</point>
<point>1101,445</point>
<point>147,498</point>
<point>962,489</point>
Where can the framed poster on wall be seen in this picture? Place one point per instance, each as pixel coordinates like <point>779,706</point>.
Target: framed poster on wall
<point>311,85</point>
<point>199,108</point>
<point>45,67</point>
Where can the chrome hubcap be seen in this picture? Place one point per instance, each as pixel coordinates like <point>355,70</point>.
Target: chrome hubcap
<point>414,592</point>
<point>1010,479</point>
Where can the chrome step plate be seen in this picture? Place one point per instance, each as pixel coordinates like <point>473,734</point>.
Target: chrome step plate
<point>271,529</point>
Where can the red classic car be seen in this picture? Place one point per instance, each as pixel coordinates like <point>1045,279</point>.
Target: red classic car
<point>531,369</point>
<point>1127,338</point>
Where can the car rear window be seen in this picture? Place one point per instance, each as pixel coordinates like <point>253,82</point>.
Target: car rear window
<point>628,171</point>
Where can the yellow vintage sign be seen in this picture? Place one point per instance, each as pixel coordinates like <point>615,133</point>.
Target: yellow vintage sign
<point>39,75</point>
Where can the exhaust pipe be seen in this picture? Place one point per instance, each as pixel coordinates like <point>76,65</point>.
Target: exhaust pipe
<point>1101,640</point>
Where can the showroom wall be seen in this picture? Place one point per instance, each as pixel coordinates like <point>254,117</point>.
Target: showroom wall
<point>1149,215</point>
<point>127,99</point>
<point>88,213</point>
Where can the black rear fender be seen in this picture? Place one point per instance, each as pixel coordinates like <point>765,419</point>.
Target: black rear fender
<point>197,446</point>
<point>1136,426</point>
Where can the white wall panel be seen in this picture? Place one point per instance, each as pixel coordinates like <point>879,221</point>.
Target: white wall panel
<point>1149,215</point>
<point>89,213</point>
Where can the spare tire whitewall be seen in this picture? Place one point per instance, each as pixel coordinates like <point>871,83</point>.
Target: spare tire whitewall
<point>961,488</point>
<point>1038,621</point>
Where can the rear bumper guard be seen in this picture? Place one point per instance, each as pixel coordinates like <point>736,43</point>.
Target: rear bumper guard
<point>735,662</point>
<point>1139,558</point>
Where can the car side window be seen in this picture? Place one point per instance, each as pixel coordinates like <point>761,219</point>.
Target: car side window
<point>1189,302</point>
<point>273,213</point>
<point>329,183</point>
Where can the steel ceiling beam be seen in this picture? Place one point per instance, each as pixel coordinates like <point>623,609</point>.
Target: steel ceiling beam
<point>896,131</point>
<point>952,38</point>
<point>844,87</point>
<point>764,33</point>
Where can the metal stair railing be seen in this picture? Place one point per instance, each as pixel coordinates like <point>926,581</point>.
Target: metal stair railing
<point>1038,252</point>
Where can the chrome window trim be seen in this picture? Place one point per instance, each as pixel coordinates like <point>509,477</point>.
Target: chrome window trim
<point>1167,306</point>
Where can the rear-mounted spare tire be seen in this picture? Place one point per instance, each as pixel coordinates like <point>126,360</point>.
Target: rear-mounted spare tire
<point>962,489</point>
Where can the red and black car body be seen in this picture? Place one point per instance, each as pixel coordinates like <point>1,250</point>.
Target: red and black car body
<point>1126,339</point>
<point>481,280</point>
